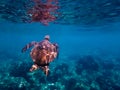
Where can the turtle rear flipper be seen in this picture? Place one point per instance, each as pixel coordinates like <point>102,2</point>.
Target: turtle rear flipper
<point>46,70</point>
<point>34,67</point>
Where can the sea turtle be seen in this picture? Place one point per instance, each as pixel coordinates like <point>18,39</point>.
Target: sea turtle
<point>42,54</point>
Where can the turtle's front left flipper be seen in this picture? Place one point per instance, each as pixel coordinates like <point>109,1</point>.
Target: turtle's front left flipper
<point>28,46</point>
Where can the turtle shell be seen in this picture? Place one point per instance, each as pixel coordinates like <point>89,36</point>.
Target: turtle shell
<point>43,56</point>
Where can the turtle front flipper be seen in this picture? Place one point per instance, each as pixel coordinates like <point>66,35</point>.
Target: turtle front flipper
<point>56,50</point>
<point>28,46</point>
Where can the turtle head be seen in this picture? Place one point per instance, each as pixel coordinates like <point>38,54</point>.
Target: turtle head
<point>47,37</point>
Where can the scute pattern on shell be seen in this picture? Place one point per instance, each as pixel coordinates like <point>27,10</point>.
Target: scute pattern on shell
<point>43,56</point>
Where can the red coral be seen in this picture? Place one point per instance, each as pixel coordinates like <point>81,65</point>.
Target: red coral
<point>44,12</point>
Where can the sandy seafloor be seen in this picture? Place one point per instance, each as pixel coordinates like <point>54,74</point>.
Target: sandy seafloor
<point>89,57</point>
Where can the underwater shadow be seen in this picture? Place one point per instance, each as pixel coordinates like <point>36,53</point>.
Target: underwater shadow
<point>20,69</point>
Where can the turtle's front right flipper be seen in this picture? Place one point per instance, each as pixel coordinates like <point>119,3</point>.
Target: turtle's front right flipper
<point>28,46</point>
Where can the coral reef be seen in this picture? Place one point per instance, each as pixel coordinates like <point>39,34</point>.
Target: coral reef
<point>85,73</point>
<point>87,63</point>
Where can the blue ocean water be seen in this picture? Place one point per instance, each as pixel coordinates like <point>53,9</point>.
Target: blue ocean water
<point>89,55</point>
<point>86,54</point>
